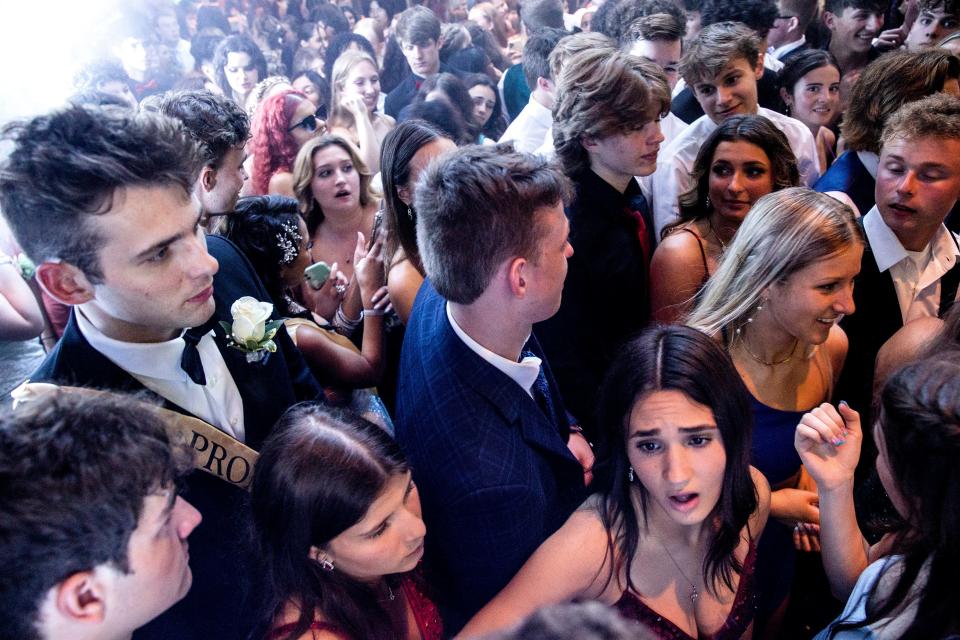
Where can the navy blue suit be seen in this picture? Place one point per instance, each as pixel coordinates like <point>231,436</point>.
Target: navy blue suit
<point>495,475</point>
<point>848,175</point>
<point>216,605</point>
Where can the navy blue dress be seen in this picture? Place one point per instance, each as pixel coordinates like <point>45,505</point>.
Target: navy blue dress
<point>776,458</point>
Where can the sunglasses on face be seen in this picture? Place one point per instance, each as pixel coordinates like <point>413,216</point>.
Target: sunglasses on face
<point>312,122</point>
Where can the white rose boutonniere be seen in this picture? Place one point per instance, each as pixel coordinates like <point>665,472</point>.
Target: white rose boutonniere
<point>251,331</point>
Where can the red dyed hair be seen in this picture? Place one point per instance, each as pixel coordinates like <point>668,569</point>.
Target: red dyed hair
<point>274,149</point>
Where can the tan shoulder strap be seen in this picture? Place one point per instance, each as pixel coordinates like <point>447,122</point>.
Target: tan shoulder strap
<point>214,451</point>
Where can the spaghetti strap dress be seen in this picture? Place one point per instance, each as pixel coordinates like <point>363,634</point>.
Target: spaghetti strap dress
<point>631,607</point>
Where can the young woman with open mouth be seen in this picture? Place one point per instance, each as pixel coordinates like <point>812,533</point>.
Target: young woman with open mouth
<point>669,539</point>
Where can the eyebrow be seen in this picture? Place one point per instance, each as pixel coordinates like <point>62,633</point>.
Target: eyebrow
<point>143,255</point>
<point>168,509</point>
<point>655,432</point>
<point>923,165</point>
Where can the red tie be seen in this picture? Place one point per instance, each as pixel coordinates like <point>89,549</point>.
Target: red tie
<point>637,209</point>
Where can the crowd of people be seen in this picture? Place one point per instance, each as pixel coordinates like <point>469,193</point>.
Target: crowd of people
<point>513,319</point>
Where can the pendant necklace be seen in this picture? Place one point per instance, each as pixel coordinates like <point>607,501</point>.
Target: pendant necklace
<point>694,594</point>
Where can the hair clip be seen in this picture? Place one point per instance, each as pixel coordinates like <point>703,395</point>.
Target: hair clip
<point>289,242</point>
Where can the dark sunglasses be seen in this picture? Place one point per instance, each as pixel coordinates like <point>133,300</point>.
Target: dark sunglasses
<point>310,123</point>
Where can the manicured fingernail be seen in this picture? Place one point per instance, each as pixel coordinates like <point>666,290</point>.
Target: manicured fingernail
<point>844,403</point>
<point>837,442</point>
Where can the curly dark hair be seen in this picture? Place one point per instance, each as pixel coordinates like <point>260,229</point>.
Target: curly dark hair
<point>67,165</point>
<point>217,123</point>
<point>759,15</point>
<point>261,227</point>
<point>75,469</point>
<point>237,44</point>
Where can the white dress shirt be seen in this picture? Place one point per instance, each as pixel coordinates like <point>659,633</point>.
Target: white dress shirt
<point>524,373</point>
<point>156,366</point>
<point>916,274</point>
<point>674,164</point>
<point>529,129</point>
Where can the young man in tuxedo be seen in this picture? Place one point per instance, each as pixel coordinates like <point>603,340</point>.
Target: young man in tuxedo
<point>94,535</point>
<point>101,201</point>
<point>478,413</point>
<point>221,128</point>
<point>909,268</point>
<point>606,133</point>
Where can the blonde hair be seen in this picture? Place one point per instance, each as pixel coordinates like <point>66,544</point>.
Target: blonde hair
<point>303,175</point>
<point>784,232</point>
<point>338,80</point>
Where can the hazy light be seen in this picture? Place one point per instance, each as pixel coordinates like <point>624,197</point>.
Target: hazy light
<point>43,43</point>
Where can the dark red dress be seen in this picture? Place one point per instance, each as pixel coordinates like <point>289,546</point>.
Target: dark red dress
<point>414,589</point>
<point>740,616</point>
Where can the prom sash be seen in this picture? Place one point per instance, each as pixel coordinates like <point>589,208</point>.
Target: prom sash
<point>213,451</point>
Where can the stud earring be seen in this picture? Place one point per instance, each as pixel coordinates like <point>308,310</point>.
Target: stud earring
<point>630,475</point>
<point>327,564</point>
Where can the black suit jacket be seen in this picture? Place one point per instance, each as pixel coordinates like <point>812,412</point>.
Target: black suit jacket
<point>216,605</point>
<point>876,319</point>
<point>403,93</point>
<point>605,294</point>
<point>686,107</point>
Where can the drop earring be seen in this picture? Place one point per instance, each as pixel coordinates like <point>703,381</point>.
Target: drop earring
<point>630,475</point>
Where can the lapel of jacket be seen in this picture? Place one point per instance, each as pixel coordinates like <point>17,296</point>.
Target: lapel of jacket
<point>877,295</point>
<point>75,362</point>
<point>512,402</point>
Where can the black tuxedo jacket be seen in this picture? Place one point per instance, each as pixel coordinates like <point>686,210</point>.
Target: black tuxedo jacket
<point>876,319</point>
<point>216,606</point>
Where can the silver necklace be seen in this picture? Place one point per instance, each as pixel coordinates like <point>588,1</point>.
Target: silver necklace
<point>694,594</point>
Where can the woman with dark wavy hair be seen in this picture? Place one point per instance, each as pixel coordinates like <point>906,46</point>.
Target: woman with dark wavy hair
<point>905,586</point>
<point>337,529</point>
<point>407,150</point>
<point>745,158</point>
<point>239,65</point>
<point>669,538</point>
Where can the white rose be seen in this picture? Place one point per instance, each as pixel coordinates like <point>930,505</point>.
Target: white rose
<point>249,319</point>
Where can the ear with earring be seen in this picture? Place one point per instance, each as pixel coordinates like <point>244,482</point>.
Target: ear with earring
<point>325,562</point>
<point>630,475</point>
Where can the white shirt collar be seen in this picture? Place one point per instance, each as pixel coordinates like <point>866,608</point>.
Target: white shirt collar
<point>154,359</point>
<point>871,162</point>
<point>524,373</point>
<point>887,249</point>
<point>780,51</point>
<point>539,112</point>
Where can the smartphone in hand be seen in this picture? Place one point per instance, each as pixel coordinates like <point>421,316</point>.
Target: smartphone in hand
<point>316,274</point>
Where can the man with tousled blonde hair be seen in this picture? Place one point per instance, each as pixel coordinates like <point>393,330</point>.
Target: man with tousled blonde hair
<point>909,269</point>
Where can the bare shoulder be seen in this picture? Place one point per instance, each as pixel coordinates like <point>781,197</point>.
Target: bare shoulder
<point>835,349</point>
<point>281,184</point>
<point>681,241</point>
